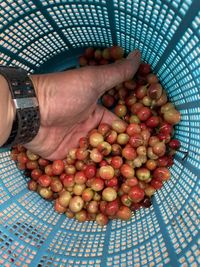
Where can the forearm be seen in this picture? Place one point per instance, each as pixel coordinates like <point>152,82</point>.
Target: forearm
<point>7,111</point>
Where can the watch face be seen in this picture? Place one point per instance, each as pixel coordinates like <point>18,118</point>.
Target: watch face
<point>27,102</point>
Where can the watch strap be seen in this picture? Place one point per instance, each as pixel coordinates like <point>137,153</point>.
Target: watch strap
<point>27,121</point>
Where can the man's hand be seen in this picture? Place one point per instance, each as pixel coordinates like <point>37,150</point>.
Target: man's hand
<point>68,104</point>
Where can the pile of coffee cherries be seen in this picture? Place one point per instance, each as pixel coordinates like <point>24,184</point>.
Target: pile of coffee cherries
<point>116,168</point>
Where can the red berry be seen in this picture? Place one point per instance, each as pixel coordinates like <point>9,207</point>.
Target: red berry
<point>172,116</point>
<point>32,156</point>
<point>101,219</point>
<point>135,206</point>
<point>166,128</point>
<point>122,138</point>
<point>81,216</point>
<point>170,161</point>
<point>124,213</point>
<point>119,126</point>
<point>31,164</point>
<point>98,54</point>
<point>130,85</point>
<point>36,173</point>
<point>151,164</point>
<point>64,198</point>
<point>116,150</point>
<point>144,69</point>
<point>144,113</point>
<point>111,137</point>
<point>136,107</point>
<point>48,170</point>
<point>108,100</point>
<point>109,194</point>
<point>130,100</point>
<point>76,204</point>
<point>112,207</point>
<point>80,165</point>
<point>131,181</point>
<point>152,78</point>
<point>155,91</point>
<point>95,139</point>
<point>112,182</point>
<point>32,185</point>
<point>146,202</point>
<point>92,207</point>
<point>161,173</point>
<point>22,166</point>
<point>126,200</point>
<point>141,92</point>
<point>127,171</point>
<point>122,94</point>
<point>90,171</point>
<point>103,62</point>
<point>82,153</point>
<point>174,144</point>
<point>116,162</point>
<point>44,180</point>
<point>136,140</point>
<point>58,167</point>
<point>157,184</point>
<point>80,177</point>
<point>56,185</point>
<point>133,128</point>
<point>92,62</point>
<point>159,149</point>
<point>97,184</point>
<point>120,110</point>
<point>153,121</point>
<point>106,53</point>
<point>102,206</point>
<point>104,128</point>
<point>125,187</point>
<point>143,174</point>
<point>45,192</point>
<point>162,161</point>
<point>83,61</point>
<point>106,172</point>
<point>43,162</point>
<point>87,194</point>
<point>116,52</point>
<point>22,157</point>
<point>89,52</point>
<point>136,193</point>
<point>164,137</point>
<point>129,153</point>
<point>68,181</point>
<point>95,155</point>
<point>104,148</point>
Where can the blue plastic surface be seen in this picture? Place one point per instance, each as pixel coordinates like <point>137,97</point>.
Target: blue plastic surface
<point>43,36</point>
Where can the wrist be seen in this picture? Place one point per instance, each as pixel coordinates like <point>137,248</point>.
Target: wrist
<point>7,111</point>
<point>34,79</point>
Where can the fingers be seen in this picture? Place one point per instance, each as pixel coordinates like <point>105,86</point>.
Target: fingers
<point>107,116</point>
<point>108,76</point>
<point>74,85</point>
<point>100,115</point>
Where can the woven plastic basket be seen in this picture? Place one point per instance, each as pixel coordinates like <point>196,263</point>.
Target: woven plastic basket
<point>43,36</point>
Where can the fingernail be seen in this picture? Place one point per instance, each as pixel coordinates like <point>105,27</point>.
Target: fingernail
<point>132,55</point>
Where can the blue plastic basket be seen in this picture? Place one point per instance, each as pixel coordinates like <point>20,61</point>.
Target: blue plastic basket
<point>49,35</point>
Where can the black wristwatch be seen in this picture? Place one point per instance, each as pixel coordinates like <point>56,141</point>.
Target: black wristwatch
<point>27,121</point>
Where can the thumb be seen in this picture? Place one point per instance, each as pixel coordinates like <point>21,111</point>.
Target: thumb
<point>108,76</point>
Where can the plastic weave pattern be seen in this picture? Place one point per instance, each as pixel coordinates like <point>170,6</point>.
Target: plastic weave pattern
<point>49,35</point>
